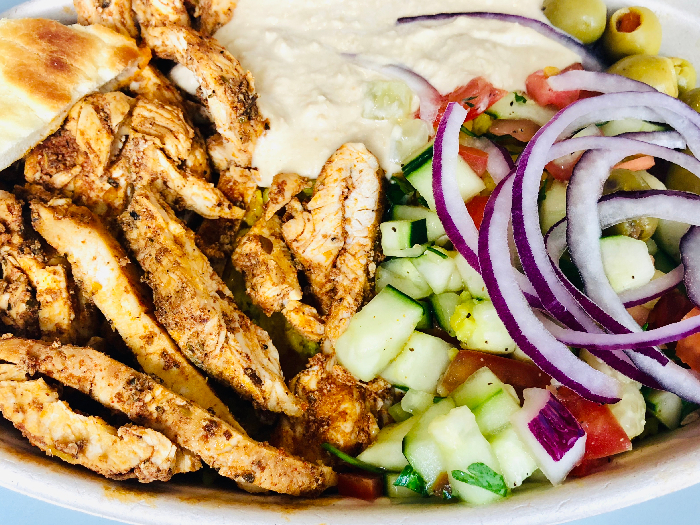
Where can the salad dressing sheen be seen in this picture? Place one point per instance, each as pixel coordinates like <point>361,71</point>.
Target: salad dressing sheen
<point>313,94</point>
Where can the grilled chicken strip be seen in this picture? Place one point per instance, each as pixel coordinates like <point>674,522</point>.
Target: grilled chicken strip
<point>18,307</point>
<point>341,411</point>
<point>75,159</point>
<point>341,217</point>
<point>198,309</point>
<point>115,14</point>
<point>355,263</point>
<point>213,14</point>
<point>128,452</point>
<point>109,278</point>
<point>271,277</point>
<point>283,188</point>
<point>146,402</point>
<point>160,12</point>
<point>224,87</point>
<point>56,311</point>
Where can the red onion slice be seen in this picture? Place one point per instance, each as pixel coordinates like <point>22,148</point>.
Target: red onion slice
<point>690,256</point>
<point>588,59</point>
<point>511,305</point>
<point>594,81</point>
<point>449,205</point>
<point>430,98</point>
<point>500,163</point>
<point>550,432</point>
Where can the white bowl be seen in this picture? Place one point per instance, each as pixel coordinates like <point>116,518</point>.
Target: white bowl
<point>660,466</point>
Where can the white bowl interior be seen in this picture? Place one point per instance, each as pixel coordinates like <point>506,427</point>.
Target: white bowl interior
<point>662,465</point>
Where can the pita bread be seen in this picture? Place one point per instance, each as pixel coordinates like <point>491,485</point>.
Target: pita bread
<point>45,68</point>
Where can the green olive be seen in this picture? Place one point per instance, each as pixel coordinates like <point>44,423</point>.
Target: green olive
<point>626,180</point>
<point>656,71</point>
<point>685,73</point>
<point>692,98</point>
<point>632,31</point>
<point>583,19</point>
<point>681,179</point>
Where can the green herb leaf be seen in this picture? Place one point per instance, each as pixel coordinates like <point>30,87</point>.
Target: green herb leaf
<point>481,475</point>
<point>645,327</point>
<point>520,99</point>
<point>351,460</point>
<point>410,479</point>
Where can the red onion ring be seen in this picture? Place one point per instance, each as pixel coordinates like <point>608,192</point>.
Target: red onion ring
<point>588,59</point>
<point>459,226</point>
<point>594,81</point>
<point>527,331</point>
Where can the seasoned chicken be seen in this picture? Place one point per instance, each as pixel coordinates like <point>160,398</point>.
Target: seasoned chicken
<point>146,402</point>
<point>75,159</point>
<point>109,278</point>
<point>213,14</point>
<point>315,234</point>
<point>341,411</point>
<point>110,142</point>
<point>271,277</point>
<point>341,217</point>
<point>224,87</point>
<point>128,452</point>
<point>283,188</point>
<point>160,12</point>
<point>198,309</point>
<point>355,263</point>
<point>115,14</point>
<point>18,306</point>
<point>24,261</point>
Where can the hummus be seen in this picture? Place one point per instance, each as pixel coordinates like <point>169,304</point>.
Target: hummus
<point>313,94</point>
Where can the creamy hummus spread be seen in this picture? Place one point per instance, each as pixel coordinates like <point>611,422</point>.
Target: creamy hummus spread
<point>313,94</point>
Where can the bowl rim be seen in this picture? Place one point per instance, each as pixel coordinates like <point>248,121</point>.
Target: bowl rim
<point>660,466</point>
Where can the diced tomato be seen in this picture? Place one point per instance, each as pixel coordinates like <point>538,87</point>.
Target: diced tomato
<point>605,436</point>
<point>363,485</point>
<point>639,313</point>
<point>563,167</point>
<point>588,466</point>
<point>669,309</point>
<point>478,160</point>
<point>476,97</point>
<point>520,129</point>
<point>517,373</point>
<point>688,348</point>
<point>639,163</point>
<point>476,207</point>
<point>538,88</point>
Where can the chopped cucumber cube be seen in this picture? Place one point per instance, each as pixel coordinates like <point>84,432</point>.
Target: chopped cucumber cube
<point>553,205</point>
<point>421,363</point>
<point>493,415</point>
<point>387,100</point>
<point>402,275</point>
<point>387,450</point>
<point>420,448</point>
<point>626,262</point>
<point>377,333</point>
<point>434,226</point>
<point>469,183</point>
<point>444,306</point>
<point>516,463</point>
<point>436,267</point>
<point>417,401</point>
<point>472,279</point>
<point>461,444</point>
<point>408,136</point>
<point>666,406</point>
<point>517,105</point>
<point>479,387</point>
<point>668,236</point>
<point>398,413</point>
<point>403,238</point>
<point>426,322</point>
<point>628,125</point>
<point>478,327</point>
